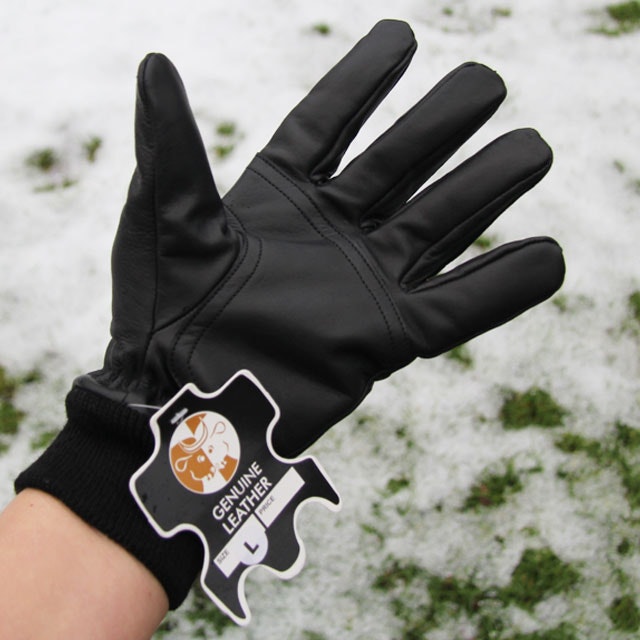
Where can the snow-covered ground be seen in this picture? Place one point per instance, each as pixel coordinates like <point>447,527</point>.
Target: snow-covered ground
<point>68,74</point>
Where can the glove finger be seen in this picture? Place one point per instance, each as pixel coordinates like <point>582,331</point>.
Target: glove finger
<point>314,136</point>
<point>484,293</point>
<point>173,222</point>
<point>169,149</point>
<point>442,221</point>
<point>390,171</point>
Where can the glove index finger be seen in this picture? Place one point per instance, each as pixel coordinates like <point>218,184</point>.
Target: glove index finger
<point>315,135</point>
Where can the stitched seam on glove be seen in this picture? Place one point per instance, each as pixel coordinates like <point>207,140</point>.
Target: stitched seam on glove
<point>348,240</point>
<point>208,326</point>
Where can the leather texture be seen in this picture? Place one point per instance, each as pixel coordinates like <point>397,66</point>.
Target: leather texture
<point>319,283</point>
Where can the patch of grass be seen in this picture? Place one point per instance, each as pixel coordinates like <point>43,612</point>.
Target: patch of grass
<point>624,614</point>
<point>493,489</point>
<point>532,407</point>
<point>205,613</point>
<point>228,137</point>
<point>619,166</point>
<point>634,305</point>
<point>631,483</point>
<point>538,575</point>
<point>610,453</point>
<point>626,14</point>
<point>575,443</point>
<point>633,183</point>
<point>365,420</point>
<point>421,601</point>
<point>624,18</point>
<point>489,627</point>
<point>373,531</point>
<point>223,150</point>
<point>397,484</point>
<point>8,385</point>
<point>91,147</point>
<point>43,159</point>
<point>501,12</point>
<point>226,128</point>
<point>561,302</point>
<point>397,573</point>
<point>461,355</point>
<point>484,242</point>
<point>465,595</point>
<point>563,632</point>
<point>65,183</point>
<point>627,436</point>
<point>625,547</point>
<point>312,635</point>
<point>321,28</point>
<point>10,416</point>
<point>44,439</point>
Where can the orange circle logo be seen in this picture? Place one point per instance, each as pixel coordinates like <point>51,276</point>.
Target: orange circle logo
<point>204,452</point>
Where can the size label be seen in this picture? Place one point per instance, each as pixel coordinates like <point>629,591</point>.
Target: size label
<point>214,472</point>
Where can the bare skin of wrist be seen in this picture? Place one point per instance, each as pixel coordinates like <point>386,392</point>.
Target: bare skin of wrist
<point>62,579</point>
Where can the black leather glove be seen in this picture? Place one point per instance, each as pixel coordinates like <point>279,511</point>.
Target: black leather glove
<point>318,284</point>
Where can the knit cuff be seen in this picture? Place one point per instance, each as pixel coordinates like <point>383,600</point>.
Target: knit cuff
<point>88,467</point>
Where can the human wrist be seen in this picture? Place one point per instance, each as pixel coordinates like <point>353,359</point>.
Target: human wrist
<point>88,468</point>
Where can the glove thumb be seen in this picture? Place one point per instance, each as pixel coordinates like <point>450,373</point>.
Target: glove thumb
<point>173,231</point>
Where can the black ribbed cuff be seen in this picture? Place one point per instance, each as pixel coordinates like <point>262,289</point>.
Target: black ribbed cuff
<point>88,467</point>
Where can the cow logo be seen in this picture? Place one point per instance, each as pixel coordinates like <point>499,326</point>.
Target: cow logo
<point>204,452</point>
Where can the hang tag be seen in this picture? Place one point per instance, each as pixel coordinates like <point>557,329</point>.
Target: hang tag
<point>213,471</point>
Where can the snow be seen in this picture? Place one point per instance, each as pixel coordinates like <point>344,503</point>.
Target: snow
<point>68,71</point>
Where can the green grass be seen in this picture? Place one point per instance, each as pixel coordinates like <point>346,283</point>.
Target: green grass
<point>563,632</point>
<point>321,28</point>
<point>10,416</point>
<point>461,355</point>
<point>421,601</point>
<point>501,12</point>
<point>575,443</point>
<point>91,147</point>
<point>624,614</point>
<point>493,489</point>
<point>634,305</point>
<point>624,16</point>
<point>397,484</point>
<point>223,150</point>
<point>539,574</point>
<point>228,136</point>
<point>532,407</point>
<point>615,451</point>
<point>226,128</point>
<point>44,439</point>
<point>484,242</point>
<point>48,161</point>
<point>65,183</point>
<point>43,159</point>
<point>313,635</point>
